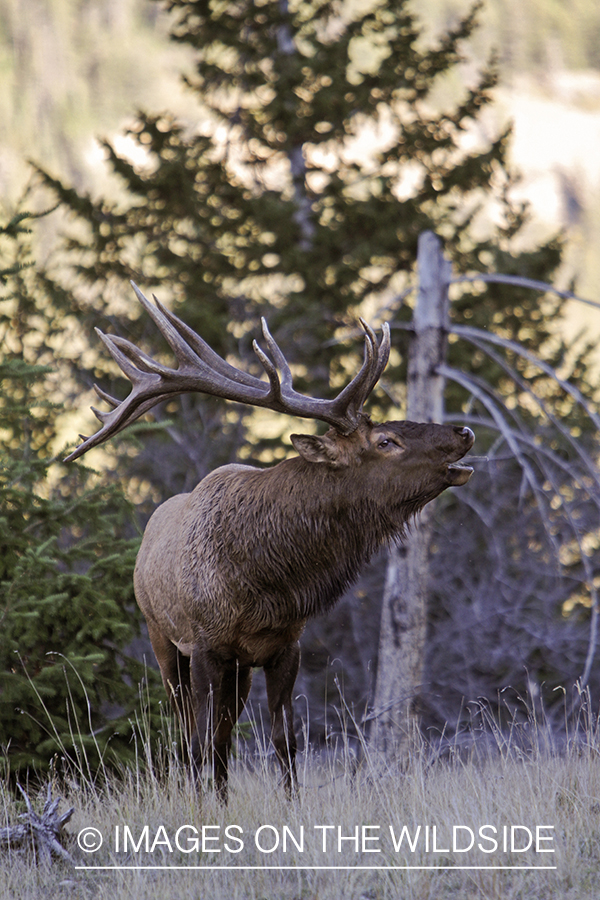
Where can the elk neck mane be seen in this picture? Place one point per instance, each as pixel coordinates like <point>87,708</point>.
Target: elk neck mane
<point>299,531</point>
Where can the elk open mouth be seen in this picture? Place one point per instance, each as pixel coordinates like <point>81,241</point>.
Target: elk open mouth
<point>458,474</point>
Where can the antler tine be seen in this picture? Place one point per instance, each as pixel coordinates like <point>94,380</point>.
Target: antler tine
<point>381,352</point>
<point>354,395</point>
<point>343,412</point>
<point>132,361</point>
<point>278,382</point>
<point>189,348</point>
<point>202,350</point>
<point>104,395</point>
<point>184,353</point>
<point>277,354</point>
<point>274,395</point>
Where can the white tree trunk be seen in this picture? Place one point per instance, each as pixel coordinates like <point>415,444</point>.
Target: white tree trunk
<point>404,614</point>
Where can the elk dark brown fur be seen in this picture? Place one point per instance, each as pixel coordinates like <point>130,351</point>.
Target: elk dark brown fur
<point>228,574</point>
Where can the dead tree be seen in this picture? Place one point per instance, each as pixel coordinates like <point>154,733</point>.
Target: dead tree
<point>404,612</point>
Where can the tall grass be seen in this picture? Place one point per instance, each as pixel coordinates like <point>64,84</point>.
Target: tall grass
<point>527,776</point>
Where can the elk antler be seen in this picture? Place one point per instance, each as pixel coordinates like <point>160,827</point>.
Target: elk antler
<point>201,369</point>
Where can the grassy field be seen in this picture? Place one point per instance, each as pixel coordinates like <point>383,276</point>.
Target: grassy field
<point>529,811</point>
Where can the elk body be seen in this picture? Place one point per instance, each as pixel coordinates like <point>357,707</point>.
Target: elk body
<point>228,574</point>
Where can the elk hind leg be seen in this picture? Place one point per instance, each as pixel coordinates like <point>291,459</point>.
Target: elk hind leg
<point>235,687</point>
<point>280,674</point>
<point>175,672</point>
<point>220,689</point>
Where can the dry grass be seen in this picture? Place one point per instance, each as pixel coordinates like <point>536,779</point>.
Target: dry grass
<point>503,780</point>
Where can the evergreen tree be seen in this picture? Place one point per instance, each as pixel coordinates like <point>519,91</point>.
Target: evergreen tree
<point>277,200</point>
<point>67,551</point>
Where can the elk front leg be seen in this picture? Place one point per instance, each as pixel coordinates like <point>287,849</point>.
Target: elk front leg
<point>280,674</point>
<point>220,688</point>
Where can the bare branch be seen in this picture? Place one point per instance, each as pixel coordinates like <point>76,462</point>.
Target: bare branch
<point>524,386</point>
<point>519,281</point>
<point>467,331</point>
<point>481,391</point>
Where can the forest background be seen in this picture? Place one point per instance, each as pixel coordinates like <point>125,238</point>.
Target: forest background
<point>73,71</point>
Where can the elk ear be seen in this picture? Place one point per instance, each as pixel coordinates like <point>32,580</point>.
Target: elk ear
<point>315,449</point>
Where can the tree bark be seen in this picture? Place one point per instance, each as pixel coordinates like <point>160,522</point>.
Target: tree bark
<point>404,613</point>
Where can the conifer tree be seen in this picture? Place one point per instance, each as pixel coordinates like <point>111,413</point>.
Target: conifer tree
<point>318,155</point>
<point>67,549</point>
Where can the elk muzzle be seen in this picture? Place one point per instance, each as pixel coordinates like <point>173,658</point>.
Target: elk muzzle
<point>460,474</point>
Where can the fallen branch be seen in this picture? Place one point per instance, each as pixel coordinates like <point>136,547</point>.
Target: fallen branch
<point>39,833</point>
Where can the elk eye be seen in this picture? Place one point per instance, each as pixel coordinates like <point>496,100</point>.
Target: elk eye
<point>384,443</point>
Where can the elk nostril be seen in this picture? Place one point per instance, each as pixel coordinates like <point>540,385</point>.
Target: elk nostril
<point>465,432</point>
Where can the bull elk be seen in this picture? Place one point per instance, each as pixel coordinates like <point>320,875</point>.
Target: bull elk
<point>228,574</point>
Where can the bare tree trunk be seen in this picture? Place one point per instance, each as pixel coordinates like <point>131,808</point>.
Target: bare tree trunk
<point>404,614</point>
